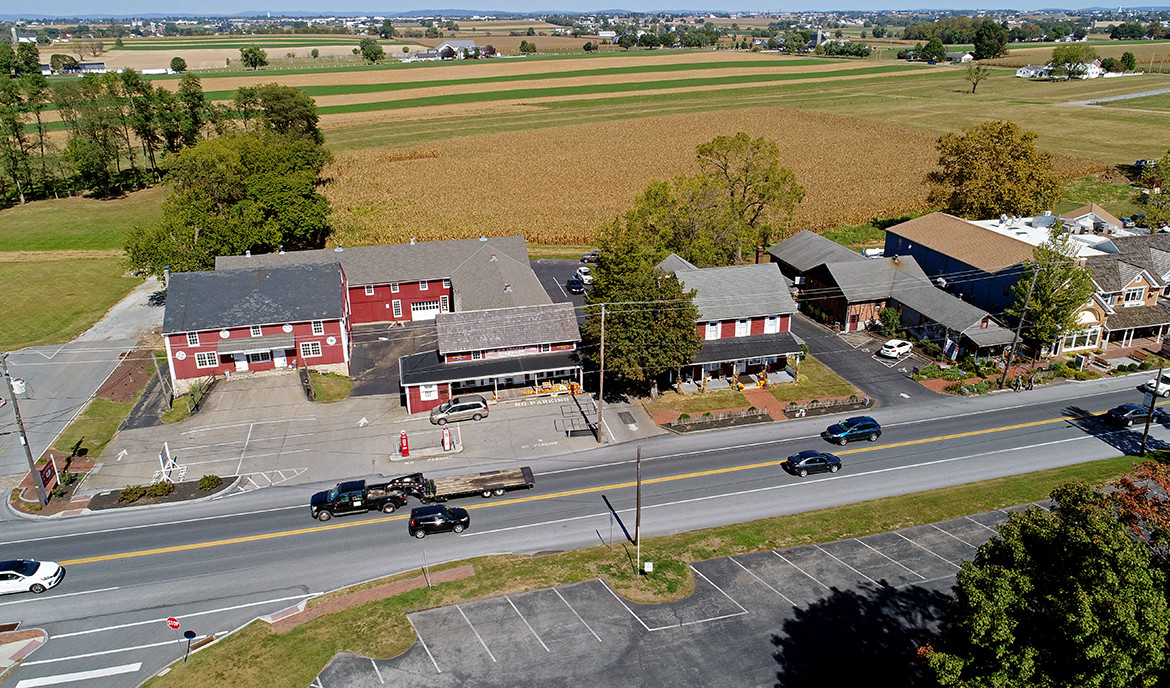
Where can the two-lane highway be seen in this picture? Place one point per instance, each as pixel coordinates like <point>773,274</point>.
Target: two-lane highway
<point>216,565</point>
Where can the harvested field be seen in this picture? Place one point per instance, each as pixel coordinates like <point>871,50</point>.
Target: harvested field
<point>1142,52</point>
<point>215,58</point>
<point>559,185</point>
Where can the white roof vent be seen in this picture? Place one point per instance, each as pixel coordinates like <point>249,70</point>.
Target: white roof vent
<point>493,259</point>
<point>483,237</point>
<point>248,253</point>
<point>338,249</point>
<point>412,241</point>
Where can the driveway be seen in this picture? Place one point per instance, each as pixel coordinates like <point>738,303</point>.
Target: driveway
<point>890,385</point>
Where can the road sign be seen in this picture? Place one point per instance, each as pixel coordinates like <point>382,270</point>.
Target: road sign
<point>173,623</point>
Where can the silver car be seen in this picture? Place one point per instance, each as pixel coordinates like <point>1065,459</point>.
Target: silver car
<point>471,406</point>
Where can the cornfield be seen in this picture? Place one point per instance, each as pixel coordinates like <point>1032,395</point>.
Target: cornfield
<point>558,186</point>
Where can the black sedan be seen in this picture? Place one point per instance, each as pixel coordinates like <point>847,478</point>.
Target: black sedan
<point>856,428</point>
<point>437,518</point>
<point>575,285</point>
<point>1128,414</point>
<point>811,461</point>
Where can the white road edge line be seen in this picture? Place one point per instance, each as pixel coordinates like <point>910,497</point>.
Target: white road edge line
<point>78,676</point>
<point>56,597</point>
<point>104,652</point>
<point>185,616</point>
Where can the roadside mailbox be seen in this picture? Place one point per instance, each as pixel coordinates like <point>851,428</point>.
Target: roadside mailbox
<point>403,444</point>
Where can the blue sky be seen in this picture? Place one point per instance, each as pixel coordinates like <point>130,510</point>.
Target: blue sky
<point>130,7</point>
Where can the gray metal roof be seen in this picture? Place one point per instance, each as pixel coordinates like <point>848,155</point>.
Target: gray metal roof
<point>873,279</point>
<point>739,291</point>
<point>254,296</point>
<point>743,348</point>
<point>478,280</point>
<point>805,250</point>
<point>427,368</point>
<point>507,327</point>
<point>676,264</point>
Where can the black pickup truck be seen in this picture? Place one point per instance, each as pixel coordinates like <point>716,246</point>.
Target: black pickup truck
<point>354,496</point>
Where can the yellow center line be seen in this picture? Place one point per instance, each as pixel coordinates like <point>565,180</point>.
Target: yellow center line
<point>555,495</point>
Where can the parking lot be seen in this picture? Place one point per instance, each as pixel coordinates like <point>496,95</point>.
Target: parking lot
<point>784,614</point>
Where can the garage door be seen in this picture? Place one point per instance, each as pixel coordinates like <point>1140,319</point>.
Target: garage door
<point>425,310</point>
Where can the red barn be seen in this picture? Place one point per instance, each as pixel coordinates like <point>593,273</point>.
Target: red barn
<point>419,280</point>
<point>227,322</point>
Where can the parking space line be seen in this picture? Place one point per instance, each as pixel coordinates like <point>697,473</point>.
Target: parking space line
<point>927,580</point>
<point>895,561</point>
<point>477,635</point>
<point>558,592</point>
<point>720,590</point>
<point>932,525</point>
<point>786,561</point>
<point>533,631</point>
<point>836,559</point>
<point>924,549</point>
<point>424,644</point>
<point>379,673</point>
<point>753,575</point>
<point>981,525</point>
<point>623,604</point>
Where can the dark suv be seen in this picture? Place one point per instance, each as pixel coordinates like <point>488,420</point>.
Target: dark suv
<point>856,428</point>
<point>437,518</point>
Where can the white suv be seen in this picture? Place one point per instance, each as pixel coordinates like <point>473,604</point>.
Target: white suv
<point>1159,386</point>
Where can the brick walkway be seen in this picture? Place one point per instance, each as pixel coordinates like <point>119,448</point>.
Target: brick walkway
<point>763,399</point>
<point>287,623</point>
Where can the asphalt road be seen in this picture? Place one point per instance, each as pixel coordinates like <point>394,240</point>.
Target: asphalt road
<point>218,564</point>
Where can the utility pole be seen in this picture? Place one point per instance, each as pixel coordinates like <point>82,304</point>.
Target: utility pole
<point>601,380</point>
<point>1019,326</point>
<point>638,513</point>
<point>1150,411</point>
<point>23,436</point>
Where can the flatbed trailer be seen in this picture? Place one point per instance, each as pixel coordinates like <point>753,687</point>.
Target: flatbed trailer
<point>486,484</point>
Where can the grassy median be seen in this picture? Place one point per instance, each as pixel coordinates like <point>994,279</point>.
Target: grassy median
<point>255,656</point>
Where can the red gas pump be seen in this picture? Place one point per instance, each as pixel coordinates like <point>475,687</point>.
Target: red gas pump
<point>403,444</point>
<point>447,444</point>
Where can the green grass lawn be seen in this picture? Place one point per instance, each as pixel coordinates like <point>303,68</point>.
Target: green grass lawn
<point>53,301</point>
<point>330,387</point>
<point>78,223</point>
<point>697,403</point>
<point>816,382</point>
<point>94,428</point>
<point>256,657</point>
<point>1119,199</point>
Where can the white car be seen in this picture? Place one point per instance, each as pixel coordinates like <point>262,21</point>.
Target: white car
<point>585,274</point>
<point>895,348</point>
<point>19,575</point>
<point>1159,387</point>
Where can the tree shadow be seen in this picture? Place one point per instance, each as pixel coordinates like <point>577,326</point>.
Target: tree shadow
<point>158,298</point>
<point>1125,440</point>
<point>867,635</point>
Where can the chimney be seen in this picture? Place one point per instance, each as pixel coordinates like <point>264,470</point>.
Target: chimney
<point>759,254</point>
<point>166,275</point>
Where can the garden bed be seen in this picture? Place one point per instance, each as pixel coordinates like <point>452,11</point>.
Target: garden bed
<point>712,421</point>
<point>824,408</point>
<point>184,491</point>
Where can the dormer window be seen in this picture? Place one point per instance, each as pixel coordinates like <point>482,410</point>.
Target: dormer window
<point>1135,297</point>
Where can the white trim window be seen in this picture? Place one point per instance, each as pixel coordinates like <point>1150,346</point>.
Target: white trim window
<point>369,290</point>
<point>1135,296</point>
<point>772,324</point>
<point>476,355</point>
<point>310,349</point>
<point>545,348</point>
<point>444,304</point>
<point>743,327</point>
<point>206,359</point>
<point>192,339</point>
<point>422,285</point>
<point>712,331</point>
<point>257,331</point>
<point>393,287</point>
<point>446,283</point>
<point>260,357</point>
<point>397,305</point>
<point>318,327</point>
<point>428,392</point>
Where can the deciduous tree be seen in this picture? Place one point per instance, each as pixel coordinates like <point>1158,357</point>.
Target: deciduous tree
<point>1059,598</point>
<point>1061,288</point>
<point>178,65</point>
<point>975,74</point>
<point>253,57</point>
<point>1072,59</point>
<point>1128,61</point>
<point>371,51</point>
<point>649,322</point>
<point>993,169</point>
<point>933,51</point>
<point>990,40</point>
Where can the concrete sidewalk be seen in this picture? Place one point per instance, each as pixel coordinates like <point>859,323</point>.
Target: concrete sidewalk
<point>17,645</point>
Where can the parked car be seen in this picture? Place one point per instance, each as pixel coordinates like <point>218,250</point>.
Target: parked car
<point>895,348</point>
<point>471,406</point>
<point>1158,386</point>
<point>1128,414</point>
<point>18,575</point>
<point>1126,222</point>
<point>856,428</point>
<point>811,461</point>
<point>575,286</point>
<point>437,518</point>
<point>591,257</point>
<point>585,274</point>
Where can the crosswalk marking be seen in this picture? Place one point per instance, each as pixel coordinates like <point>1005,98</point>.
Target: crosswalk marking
<point>78,676</point>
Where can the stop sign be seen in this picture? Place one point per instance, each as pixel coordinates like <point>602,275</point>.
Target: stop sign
<point>173,623</point>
